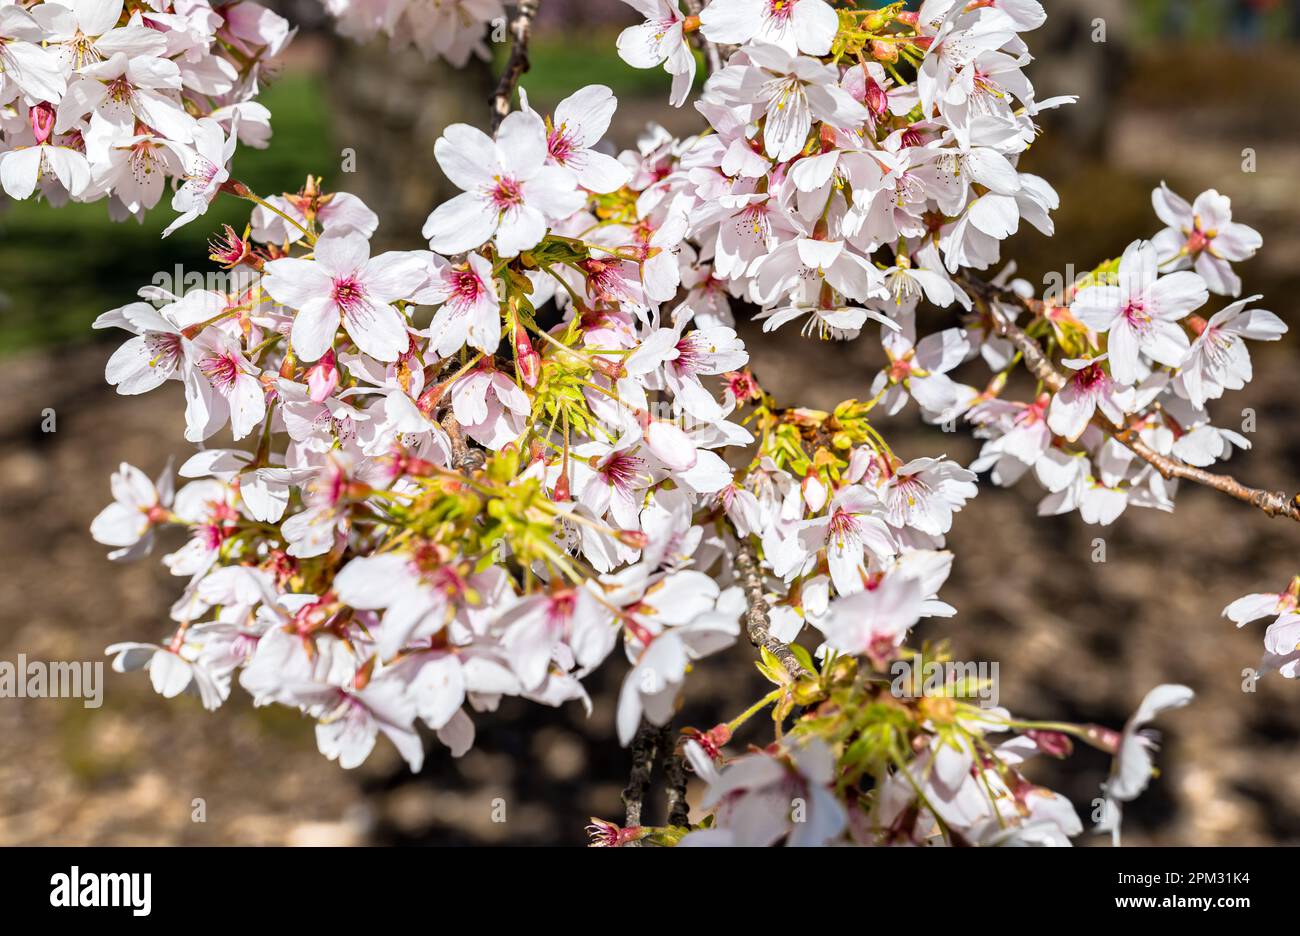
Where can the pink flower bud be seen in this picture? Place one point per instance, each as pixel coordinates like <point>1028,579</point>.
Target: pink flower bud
<point>323,378</point>
<point>42,120</point>
<point>530,362</point>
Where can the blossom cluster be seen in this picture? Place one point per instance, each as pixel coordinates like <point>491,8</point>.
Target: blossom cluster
<point>1140,358</point>
<point>108,99</point>
<point>474,470</point>
<point>454,30</point>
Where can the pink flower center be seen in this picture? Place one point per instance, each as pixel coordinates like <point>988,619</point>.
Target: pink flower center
<point>1135,313</point>
<point>506,194</point>
<point>621,470</point>
<point>843,526</point>
<point>561,145</point>
<point>1091,378</point>
<point>349,294</point>
<point>780,10</point>
<point>222,370</point>
<point>466,287</point>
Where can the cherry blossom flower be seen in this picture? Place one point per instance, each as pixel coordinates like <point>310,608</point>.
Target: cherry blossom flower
<point>1140,313</point>
<point>139,507</point>
<point>509,193</point>
<point>661,39</point>
<point>807,26</point>
<point>1203,236</point>
<point>343,283</point>
<point>1133,765</point>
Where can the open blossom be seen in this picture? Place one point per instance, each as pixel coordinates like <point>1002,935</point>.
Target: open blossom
<point>661,39</point>
<point>1132,768</point>
<point>791,92</point>
<point>345,285</point>
<point>1218,359</point>
<point>509,194</point>
<point>470,309</point>
<point>1140,313</point>
<point>1202,236</point>
<point>751,798</point>
<point>1088,391</point>
<point>806,26</point>
<point>874,620</point>
<point>139,506</point>
<point>578,124</point>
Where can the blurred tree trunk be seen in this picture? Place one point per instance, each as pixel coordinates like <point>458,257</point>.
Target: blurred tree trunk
<point>388,107</point>
<point>1082,49</point>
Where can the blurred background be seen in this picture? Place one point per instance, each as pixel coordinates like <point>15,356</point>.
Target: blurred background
<point>1189,91</point>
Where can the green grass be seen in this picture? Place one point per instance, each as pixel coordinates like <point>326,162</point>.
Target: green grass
<point>61,267</point>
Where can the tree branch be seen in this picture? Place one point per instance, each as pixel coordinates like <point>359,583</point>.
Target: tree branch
<point>1272,503</point>
<point>674,765</point>
<point>645,751</point>
<point>521,29</point>
<point>464,458</point>
<point>756,619</point>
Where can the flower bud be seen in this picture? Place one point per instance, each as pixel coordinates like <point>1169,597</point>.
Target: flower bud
<point>529,361</point>
<point>884,51</point>
<point>1052,743</point>
<point>323,378</point>
<point>42,120</point>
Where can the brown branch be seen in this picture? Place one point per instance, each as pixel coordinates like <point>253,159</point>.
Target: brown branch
<point>1272,503</point>
<point>756,619</point>
<point>521,28</point>
<point>645,749</point>
<point>464,458</point>
<point>674,766</point>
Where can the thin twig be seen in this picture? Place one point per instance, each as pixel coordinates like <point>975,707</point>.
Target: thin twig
<point>521,28</point>
<point>756,620</point>
<point>1272,503</point>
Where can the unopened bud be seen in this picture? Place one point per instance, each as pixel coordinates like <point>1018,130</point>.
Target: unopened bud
<point>41,118</point>
<point>529,361</point>
<point>1052,743</point>
<point>884,51</point>
<point>323,378</point>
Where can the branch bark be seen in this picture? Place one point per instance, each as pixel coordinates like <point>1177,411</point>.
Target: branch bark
<point>1272,503</point>
<point>464,458</point>
<point>674,765</point>
<point>645,751</point>
<point>757,623</point>
<point>521,30</point>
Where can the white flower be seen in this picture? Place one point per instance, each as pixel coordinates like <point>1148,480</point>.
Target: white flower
<point>1132,768</point>
<point>1203,236</point>
<point>1140,312</point>
<point>1218,359</point>
<point>509,193</point>
<point>807,26</point>
<point>345,283</point>
<point>138,506</point>
<point>660,39</point>
<point>579,121</point>
<point>791,93</point>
